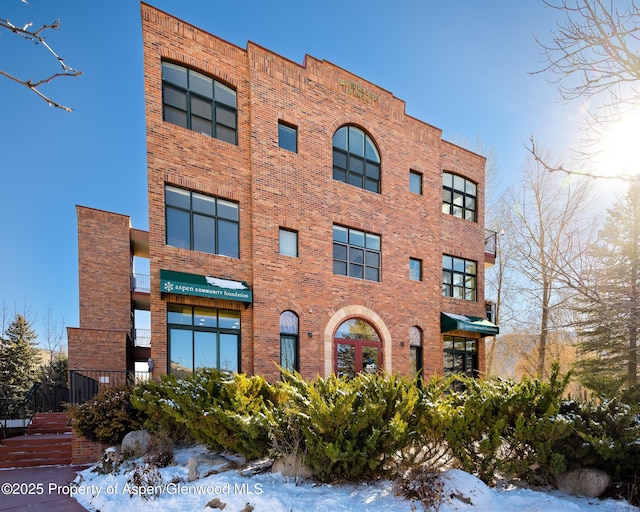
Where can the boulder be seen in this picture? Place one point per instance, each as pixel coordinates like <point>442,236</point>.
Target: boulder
<point>586,482</point>
<point>136,443</point>
<point>192,465</point>
<point>291,465</point>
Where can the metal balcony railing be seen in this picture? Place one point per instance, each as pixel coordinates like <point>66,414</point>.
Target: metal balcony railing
<point>142,337</point>
<point>490,242</point>
<point>140,283</point>
<point>85,384</point>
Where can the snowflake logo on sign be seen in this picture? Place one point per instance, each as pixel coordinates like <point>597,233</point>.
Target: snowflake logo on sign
<point>168,287</point>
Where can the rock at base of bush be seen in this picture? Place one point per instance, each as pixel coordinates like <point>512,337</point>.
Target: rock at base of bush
<point>192,465</point>
<point>291,465</point>
<point>136,443</point>
<point>586,482</point>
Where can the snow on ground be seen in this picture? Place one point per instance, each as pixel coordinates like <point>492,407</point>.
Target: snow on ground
<point>268,492</point>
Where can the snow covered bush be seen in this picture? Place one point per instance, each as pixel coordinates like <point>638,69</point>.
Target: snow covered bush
<point>605,435</point>
<point>498,427</point>
<point>352,428</point>
<point>107,417</point>
<point>224,411</point>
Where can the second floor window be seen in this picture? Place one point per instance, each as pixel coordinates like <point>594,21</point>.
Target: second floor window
<point>459,278</point>
<point>200,103</point>
<point>459,196</point>
<point>356,253</point>
<point>202,223</point>
<point>355,159</point>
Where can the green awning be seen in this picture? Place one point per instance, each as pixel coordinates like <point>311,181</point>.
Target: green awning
<point>453,322</point>
<point>204,286</point>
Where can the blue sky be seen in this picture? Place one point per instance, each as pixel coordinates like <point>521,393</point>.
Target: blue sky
<point>461,65</point>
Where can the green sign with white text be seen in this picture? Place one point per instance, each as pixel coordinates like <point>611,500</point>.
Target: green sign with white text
<point>197,285</point>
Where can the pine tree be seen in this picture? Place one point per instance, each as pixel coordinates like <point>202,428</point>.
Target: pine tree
<point>610,303</point>
<point>19,359</point>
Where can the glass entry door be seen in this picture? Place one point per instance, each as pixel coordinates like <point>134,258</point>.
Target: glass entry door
<point>355,356</point>
<point>357,348</point>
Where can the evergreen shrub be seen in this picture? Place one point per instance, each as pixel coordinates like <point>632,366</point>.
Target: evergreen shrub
<point>498,427</point>
<point>605,435</point>
<point>107,417</point>
<point>224,411</point>
<point>352,428</point>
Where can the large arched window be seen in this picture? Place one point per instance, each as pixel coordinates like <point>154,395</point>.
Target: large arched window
<point>357,348</point>
<point>289,338</point>
<point>355,159</point>
<point>198,102</point>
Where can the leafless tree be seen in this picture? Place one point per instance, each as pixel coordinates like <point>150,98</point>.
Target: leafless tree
<point>53,337</point>
<point>546,230</point>
<point>594,55</point>
<point>37,37</point>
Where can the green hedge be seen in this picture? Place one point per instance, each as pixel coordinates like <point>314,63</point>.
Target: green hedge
<point>375,425</point>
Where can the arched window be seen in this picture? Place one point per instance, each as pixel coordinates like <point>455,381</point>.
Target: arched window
<point>355,159</point>
<point>415,351</point>
<point>459,196</point>
<point>357,348</point>
<point>198,102</point>
<point>289,341</point>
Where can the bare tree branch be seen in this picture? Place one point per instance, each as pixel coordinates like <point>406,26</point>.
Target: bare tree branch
<point>36,37</point>
<point>630,178</point>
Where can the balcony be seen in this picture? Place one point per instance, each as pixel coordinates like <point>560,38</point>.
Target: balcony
<point>490,247</point>
<point>140,290</point>
<point>85,384</point>
<point>142,338</point>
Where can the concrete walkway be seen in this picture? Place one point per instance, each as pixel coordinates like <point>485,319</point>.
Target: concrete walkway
<point>39,488</point>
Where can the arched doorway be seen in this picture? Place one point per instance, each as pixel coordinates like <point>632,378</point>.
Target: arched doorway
<point>357,348</point>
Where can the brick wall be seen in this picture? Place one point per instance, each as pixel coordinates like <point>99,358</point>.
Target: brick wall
<point>84,451</point>
<point>104,262</point>
<point>277,188</point>
<point>97,349</point>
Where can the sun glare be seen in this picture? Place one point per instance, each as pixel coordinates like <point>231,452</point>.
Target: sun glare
<point>620,147</point>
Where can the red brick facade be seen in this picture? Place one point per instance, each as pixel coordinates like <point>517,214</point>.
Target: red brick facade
<point>276,188</point>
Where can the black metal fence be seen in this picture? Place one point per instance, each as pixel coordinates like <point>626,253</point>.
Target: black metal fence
<point>85,384</point>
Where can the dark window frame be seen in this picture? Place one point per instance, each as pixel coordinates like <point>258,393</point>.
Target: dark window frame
<point>458,279</point>
<point>193,329</point>
<point>290,334</point>
<point>413,175</point>
<point>290,130</point>
<point>356,164</point>
<point>351,255</point>
<point>459,196</point>
<point>460,357</point>
<point>412,263</point>
<point>416,351</point>
<point>200,109</point>
<point>286,230</point>
<point>194,216</point>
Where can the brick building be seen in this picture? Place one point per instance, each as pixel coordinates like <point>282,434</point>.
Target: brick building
<point>297,217</point>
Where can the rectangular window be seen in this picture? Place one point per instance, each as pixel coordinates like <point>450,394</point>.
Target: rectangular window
<point>415,269</point>
<point>200,103</point>
<point>202,338</point>
<point>459,278</point>
<point>287,137</point>
<point>288,242</point>
<point>461,357</point>
<point>415,182</point>
<point>356,253</point>
<point>202,223</point>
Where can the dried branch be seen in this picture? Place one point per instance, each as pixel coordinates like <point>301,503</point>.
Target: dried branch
<point>630,178</point>
<point>36,37</point>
